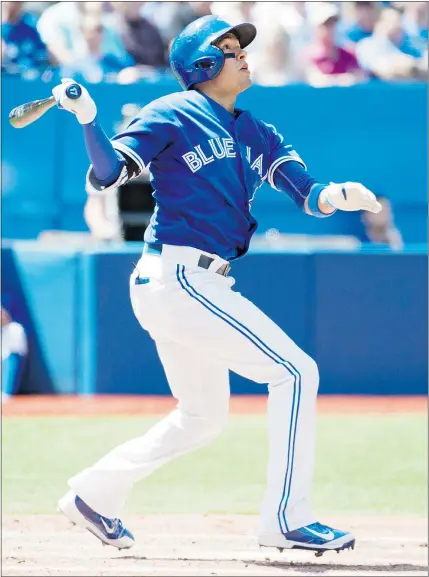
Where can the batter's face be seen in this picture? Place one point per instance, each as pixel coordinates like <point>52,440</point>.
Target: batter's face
<point>235,75</point>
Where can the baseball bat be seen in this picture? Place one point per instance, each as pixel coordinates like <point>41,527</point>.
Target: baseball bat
<point>27,113</point>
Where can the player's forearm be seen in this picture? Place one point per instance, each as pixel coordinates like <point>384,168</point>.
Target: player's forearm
<point>292,178</point>
<point>106,162</point>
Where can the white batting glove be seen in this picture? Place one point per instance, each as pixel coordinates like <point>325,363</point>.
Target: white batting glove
<point>350,196</point>
<point>83,107</point>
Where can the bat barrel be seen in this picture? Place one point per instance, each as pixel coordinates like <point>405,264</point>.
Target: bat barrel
<point>25,114</point>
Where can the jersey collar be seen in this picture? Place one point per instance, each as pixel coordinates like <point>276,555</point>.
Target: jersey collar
<point>222,112</point>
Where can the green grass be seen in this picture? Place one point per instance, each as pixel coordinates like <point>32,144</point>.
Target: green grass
<point>366,464</point>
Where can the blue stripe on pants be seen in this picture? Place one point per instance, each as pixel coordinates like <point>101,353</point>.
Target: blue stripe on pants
<point>246,332</point>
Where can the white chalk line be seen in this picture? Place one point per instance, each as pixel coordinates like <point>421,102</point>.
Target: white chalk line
<point>240,557</point>
<point>209,537</point>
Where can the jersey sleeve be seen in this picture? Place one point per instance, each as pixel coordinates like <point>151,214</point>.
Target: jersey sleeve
<point>279,152</point>
<point>151,131</point>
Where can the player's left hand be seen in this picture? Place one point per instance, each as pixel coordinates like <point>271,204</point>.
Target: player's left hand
<point>350,196</point>
<point>83,108</point>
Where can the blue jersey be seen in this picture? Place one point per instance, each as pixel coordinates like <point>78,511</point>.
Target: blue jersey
<point>206,165</point>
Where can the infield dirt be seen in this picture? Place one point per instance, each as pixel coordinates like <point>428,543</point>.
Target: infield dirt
<point>191,545</point>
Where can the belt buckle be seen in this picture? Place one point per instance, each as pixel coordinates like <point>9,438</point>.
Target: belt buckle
<point>206,261</point>
<point>224,269</point>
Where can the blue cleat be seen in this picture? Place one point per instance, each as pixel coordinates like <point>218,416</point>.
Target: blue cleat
<point>315,537</point>
<point>109,531</point>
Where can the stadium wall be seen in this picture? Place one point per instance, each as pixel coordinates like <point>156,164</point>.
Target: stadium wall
<point>362,315</point>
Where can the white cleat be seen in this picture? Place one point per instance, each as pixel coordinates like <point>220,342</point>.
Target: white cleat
<point>315,537</point>
<point>109,531</point>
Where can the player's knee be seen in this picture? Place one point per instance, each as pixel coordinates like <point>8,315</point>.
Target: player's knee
<point>215,425</point>
<point>310,374</point>
<point>205,427</point>
<point>307,371</point>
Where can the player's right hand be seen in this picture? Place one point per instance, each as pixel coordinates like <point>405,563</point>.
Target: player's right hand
<point>83,107</point>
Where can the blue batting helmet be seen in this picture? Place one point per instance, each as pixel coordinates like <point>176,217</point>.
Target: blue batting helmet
<point>193,56</point>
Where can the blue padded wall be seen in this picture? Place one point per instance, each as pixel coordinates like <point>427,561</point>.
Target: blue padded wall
<point>362,315</point>
<point>370,324</point>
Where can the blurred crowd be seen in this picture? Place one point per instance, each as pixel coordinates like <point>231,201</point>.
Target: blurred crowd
<point>319,43</point>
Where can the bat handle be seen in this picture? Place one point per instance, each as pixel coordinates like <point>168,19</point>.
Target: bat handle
<point>74,91</point>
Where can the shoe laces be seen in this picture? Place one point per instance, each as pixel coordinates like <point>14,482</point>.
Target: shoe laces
<point>320,528</point>
<point>114,524</point>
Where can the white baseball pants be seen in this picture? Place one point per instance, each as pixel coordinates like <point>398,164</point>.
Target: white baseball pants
<point>203,329</point>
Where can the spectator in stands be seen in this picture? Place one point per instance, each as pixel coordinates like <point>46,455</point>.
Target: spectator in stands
<point>380,228</point>
<point>292,16</point>
<point>102,217</point>
<point>274,64</point>
<point>23,51</point>
<point>140,37</point>
<point>235,12</point>
<point>365,16</point>
<point>387,54</point>
<point>170,18</point>
<point>60,27</point>
<point>415,24</point>
<point>36,8</point>
<point>14,351</point>
<point>326,63</point>
<point>200,9</point>
<point>95,65</point>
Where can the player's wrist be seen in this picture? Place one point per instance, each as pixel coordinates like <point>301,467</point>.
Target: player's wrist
<point>324,203</point>
<point>317,202</point>
<point>88,112</point>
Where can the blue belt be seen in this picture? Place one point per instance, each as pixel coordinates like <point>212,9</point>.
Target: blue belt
<point>204,261</point>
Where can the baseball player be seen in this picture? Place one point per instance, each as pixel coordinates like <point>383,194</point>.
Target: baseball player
<point>207,160</point>
<point>14,352</point>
